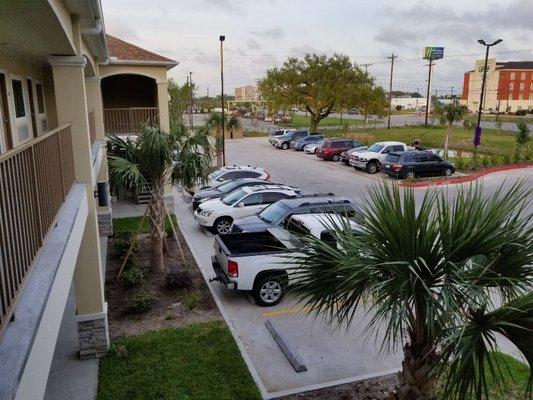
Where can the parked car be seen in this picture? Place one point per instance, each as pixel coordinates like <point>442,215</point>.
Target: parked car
<point>331,149</point>
<point>268,119</point>
<point>371,159</point>
<point>276,133</point>
<point>219,214</point>
<point>414,164</point>
<point>345,155</point>
<point>311,148</point>
<point>257,262</point>
<point>276,214</point>
<point>283,141</point>
<point>223,189</point>
<point>298,144</point>
<point>235,172</point>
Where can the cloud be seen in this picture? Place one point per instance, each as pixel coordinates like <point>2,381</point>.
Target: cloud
<point>253,44</point>
<point>118,28</point>
<point>396,36</point>
<point>275,33</point>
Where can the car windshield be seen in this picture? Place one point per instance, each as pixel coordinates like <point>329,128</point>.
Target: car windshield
<point>216,174</point>
<point>273,212</point>
<point>233,197</point>
<point>376,148</point>
<point>228,186</point>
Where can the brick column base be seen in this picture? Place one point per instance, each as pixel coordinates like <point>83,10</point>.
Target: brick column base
<point>93,335</point>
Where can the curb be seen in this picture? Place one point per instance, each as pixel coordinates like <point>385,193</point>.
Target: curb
<point>463,179</point>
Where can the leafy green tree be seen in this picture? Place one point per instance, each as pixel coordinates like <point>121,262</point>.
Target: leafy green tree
<point>370,101</point>
<point>180,98</point>
<point>214,123</point>
<point>315,83</point>
<point>154,159</point>
<point>450,113</point>
<point>440,277</point>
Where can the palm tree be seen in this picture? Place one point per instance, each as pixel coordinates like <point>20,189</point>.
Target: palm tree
<point>449,114</point>
<point>214,122</point>
<point>442,278</point>
<point>153,159</point>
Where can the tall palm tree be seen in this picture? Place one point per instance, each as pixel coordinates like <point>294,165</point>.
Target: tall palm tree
<point>442,277</point>
<point>154,159</point>
<point>449,114</point>
<point>214,122</point>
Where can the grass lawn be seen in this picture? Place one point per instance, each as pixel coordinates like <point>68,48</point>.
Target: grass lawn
<point>503,118</point>
<point>491,141</point>
<point>301,121</point>
<point>198,361</point>
<point>255,134</point>
<point>132,223</point>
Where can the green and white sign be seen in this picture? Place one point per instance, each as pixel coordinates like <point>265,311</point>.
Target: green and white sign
<point>433,53</point>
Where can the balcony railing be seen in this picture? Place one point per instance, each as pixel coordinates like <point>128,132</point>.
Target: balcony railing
<point>34,180</point>
<point>129,120</point>
<point>92,126</point>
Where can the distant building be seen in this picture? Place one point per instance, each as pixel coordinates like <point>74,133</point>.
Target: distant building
<point>508,86</point>
<point>247,94</point>
<point>409,103</point>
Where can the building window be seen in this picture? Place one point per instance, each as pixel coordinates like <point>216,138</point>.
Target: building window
<point>18,98</point>
<point>523,76</point>
<point>513,75</point>
<point>511,86</point>
<point>522,85</point>
<point>40,98</point>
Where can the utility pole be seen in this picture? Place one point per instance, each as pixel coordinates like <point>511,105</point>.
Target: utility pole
<point>190,99</point>
<point>391,58</point>
<point>222,38</point>
<point>417,94</point>
<point>365,66</point>
<point>428,99</point>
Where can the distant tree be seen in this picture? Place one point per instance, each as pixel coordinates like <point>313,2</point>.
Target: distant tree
<point>180,98</point>
<point>370,101</point>
<point>450,113</point>
<point>315,83</point>
<point>214,123</point>
<point>522,136</point>
<point>399,107</point>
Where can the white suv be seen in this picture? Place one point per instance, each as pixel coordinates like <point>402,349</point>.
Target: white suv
<point>229,173</point>
<point>371,159</point>
<point>218,214</point>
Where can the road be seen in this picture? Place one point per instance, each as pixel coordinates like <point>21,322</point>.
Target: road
<point>332,356</point>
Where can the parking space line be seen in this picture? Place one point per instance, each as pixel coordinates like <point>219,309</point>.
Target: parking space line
<point>286,311</point>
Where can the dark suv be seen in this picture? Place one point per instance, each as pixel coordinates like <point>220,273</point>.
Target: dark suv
<point>283,141</point>
<point>332,149</point>
<point>278,213</point>
<point>413,164</point>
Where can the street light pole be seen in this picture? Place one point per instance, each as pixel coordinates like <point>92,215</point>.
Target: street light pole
<point>428,93</point>
<point>477,135</point>
<point>190,99</point>
<point>392,57</point>
<point>222,38</point>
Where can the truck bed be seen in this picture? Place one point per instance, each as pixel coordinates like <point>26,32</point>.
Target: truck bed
<point>250,243</point>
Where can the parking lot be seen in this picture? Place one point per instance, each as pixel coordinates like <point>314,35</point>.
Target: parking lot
<point>331,356</point>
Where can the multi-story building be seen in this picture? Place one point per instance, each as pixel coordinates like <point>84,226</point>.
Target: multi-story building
<point>508,86</point>
<point>63,85</point>
<point>247,94</point>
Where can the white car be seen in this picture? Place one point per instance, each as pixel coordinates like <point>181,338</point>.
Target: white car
<point>257,261</point>
<point>311,148</point>
<point>218,214</point>
<point>236,172</point>
<point>371,159</point>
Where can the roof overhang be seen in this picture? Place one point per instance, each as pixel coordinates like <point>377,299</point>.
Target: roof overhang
<point>167,64</point>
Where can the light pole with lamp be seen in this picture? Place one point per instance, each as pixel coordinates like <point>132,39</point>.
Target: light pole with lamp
<point>477,135</point>
<point>222,38</point>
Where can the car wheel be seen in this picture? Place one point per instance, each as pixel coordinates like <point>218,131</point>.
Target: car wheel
<point>410,175</point>
<point>269,289</point>
<point>223,225</point>
<point>335,157</point>
<point>285,146</point>
<point>372,167</point>
<point>447,172</point>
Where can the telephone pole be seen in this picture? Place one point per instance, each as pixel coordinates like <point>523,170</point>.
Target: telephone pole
<point>428,98</point>
<point>190,99</point>
<point>365,66</point>
<point>222,38</point>
<point>391,58</point>
<point>417,94</point>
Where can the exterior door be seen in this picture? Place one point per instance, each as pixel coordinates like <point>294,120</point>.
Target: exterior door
<point>32,108</point>
<point>6,140</point>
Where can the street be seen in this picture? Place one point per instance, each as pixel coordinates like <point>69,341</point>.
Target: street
<point>331,356</point>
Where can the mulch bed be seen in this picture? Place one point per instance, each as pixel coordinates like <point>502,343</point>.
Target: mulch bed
<point>370,389</point>
<point>171,309</point>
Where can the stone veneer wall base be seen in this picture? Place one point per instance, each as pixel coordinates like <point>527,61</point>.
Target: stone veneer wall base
<point>93,335</point>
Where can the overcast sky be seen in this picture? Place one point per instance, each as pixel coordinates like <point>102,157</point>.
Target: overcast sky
<point>261,34</point>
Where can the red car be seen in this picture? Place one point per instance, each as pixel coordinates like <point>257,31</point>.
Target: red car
<point>331,149</point>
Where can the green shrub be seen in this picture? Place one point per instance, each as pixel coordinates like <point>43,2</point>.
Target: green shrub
<point>468,125</point>
<point>495,160</point>
<point>133,276</point>
<point>192,299</point>
<point>485,161</point>
<point>506,159</point>
<point>178,279</point>
<point>122,242</point>
<point>142,301</point>
<point>460,163</point>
